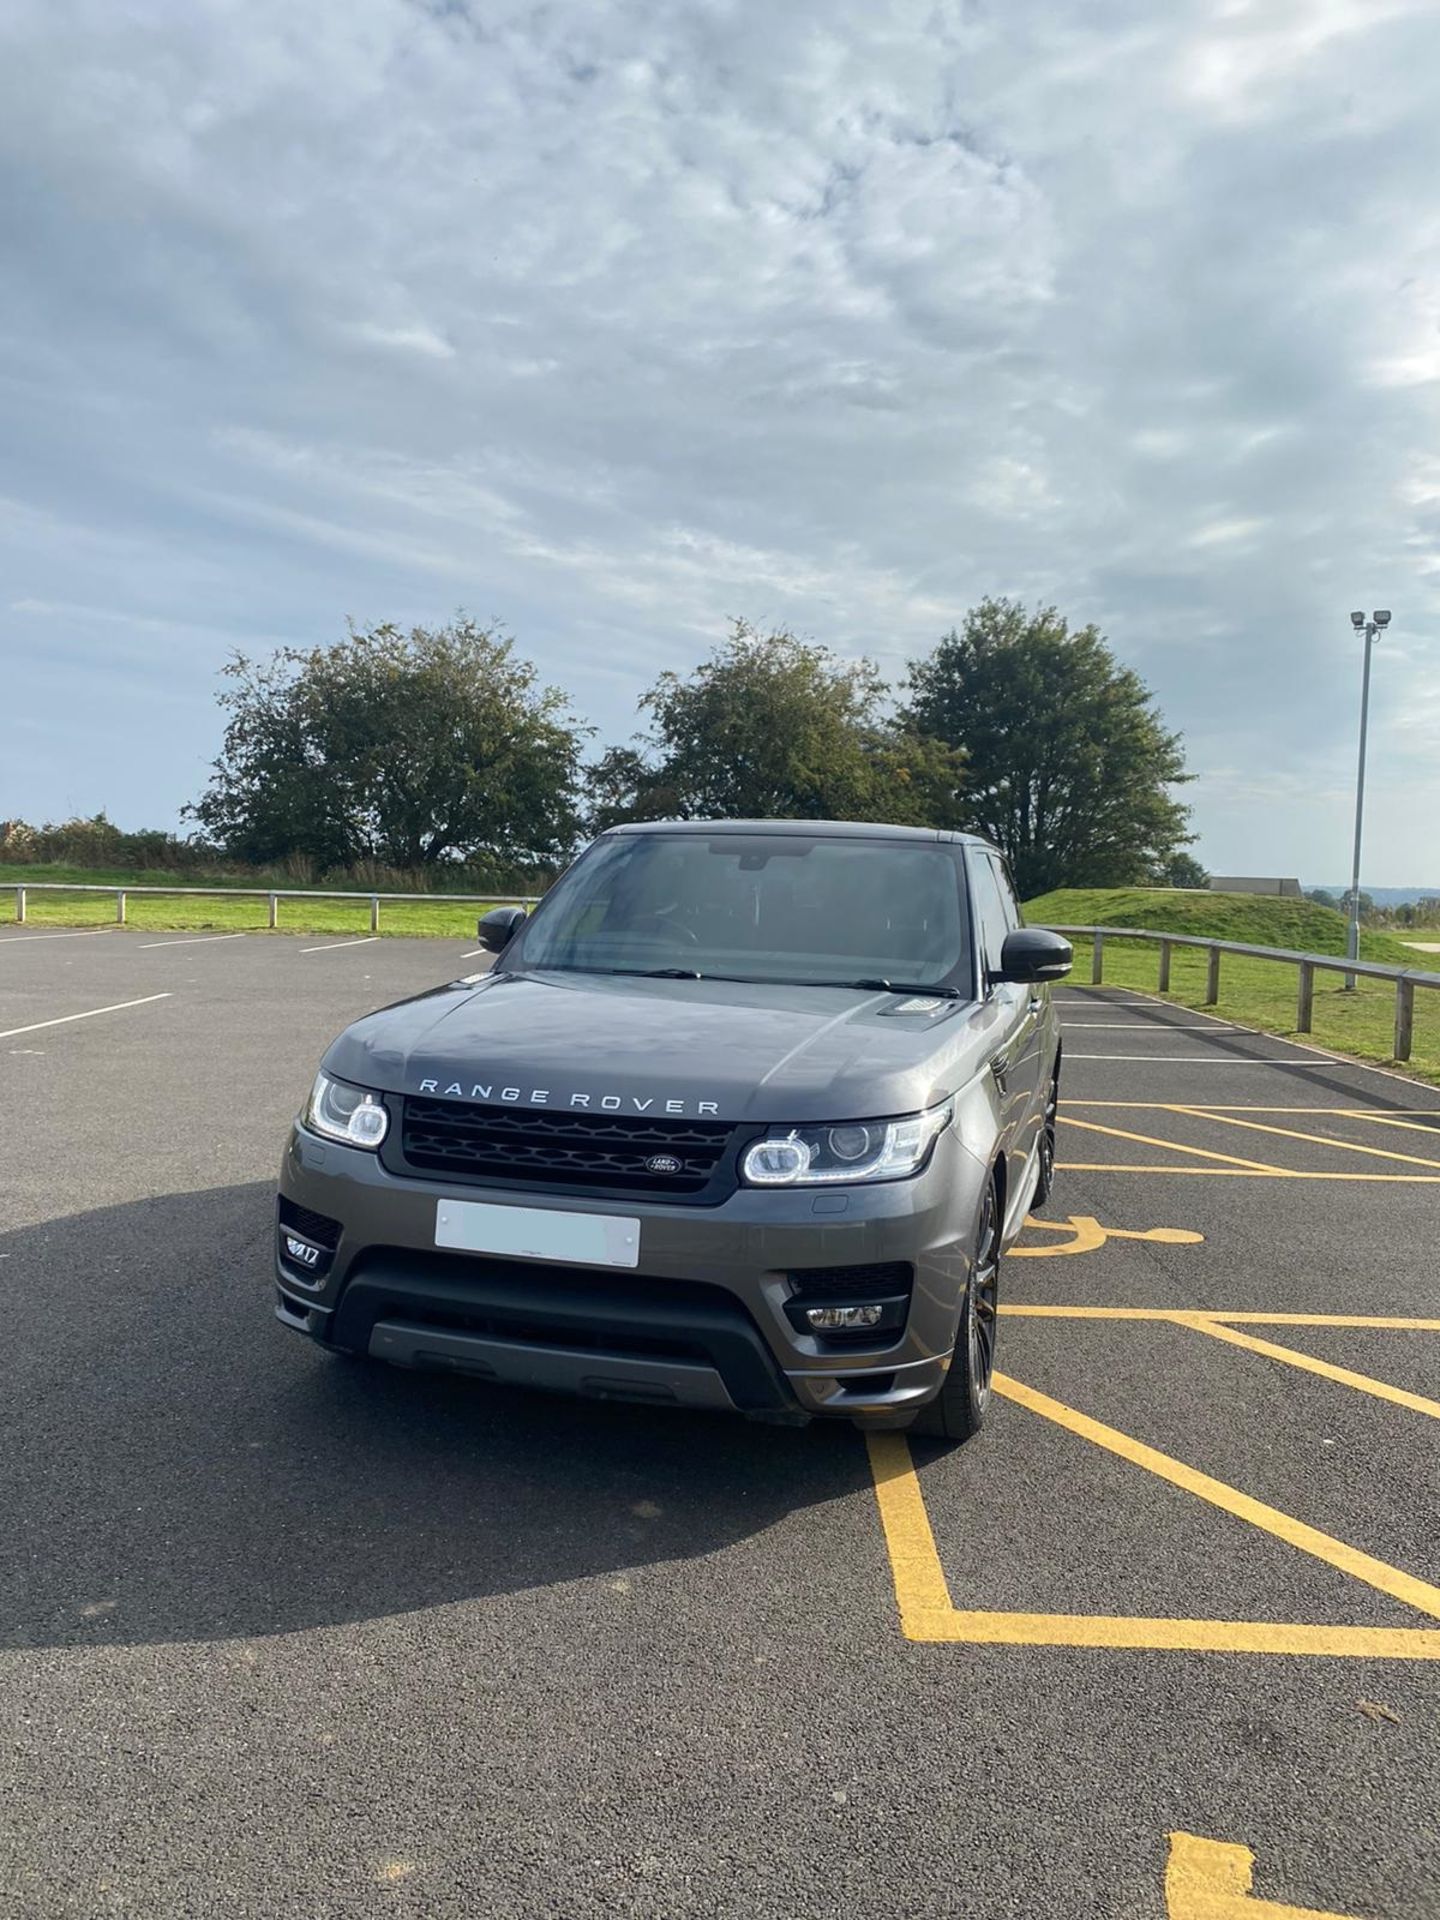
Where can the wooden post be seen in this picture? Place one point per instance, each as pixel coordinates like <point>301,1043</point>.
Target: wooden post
<point>1097,960</point>
<point>274,909</point>
<point>1305,998</point>
<point>1212,978</point>
<point>20,906</point>
<point>1404,1017</point>
<point>374,913</point>
<point>1163,984</point>
<point>119,906</point>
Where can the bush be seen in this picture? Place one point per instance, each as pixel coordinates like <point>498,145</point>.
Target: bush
<point>77,849</point>
<point>98,842</point>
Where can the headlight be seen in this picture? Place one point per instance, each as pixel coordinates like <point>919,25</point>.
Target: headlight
<point>342,1112</point>
<point>856,1150</point>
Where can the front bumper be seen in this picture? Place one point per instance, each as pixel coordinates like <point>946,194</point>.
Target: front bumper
<point>702,1321</point>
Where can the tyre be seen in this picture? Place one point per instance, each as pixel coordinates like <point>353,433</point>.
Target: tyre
<point>959,1408</point>
<point>1045,1184</point>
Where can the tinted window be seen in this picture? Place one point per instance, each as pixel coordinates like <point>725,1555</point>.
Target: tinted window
<point>990,917</point>
<point>775,907</point>
<point>1010,906</point>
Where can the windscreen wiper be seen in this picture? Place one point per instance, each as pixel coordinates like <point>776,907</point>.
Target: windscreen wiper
<point>896,986</point>
<point>656,973</point>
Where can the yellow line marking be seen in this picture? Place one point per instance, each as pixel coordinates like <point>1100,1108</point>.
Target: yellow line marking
<point>1329,1320</point>
<point>1388,1120</point>
<point>1362,1382</point>
<point>928,1614</point>
<point>1211,1880</point>
<point>1185,1316</point>
<point>1175,1146</point>
<point>1290,1133</point>
<point>1245,1173</point>
<point>920,1585</point>
<point>1166,1106</point>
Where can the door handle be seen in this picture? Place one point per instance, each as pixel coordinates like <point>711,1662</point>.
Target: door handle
<point>1036,1004</point>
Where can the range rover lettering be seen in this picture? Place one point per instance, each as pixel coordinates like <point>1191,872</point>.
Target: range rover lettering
<point>743,1117</point>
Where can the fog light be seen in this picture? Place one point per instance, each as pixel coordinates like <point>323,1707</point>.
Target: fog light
<point>838,1319</point>
<point>303,1253</point>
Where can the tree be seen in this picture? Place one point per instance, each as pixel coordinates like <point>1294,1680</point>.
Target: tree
<point>1067,765</point>
<point>769,727</point>
<point>1184,870</point>
<point>407,749</point>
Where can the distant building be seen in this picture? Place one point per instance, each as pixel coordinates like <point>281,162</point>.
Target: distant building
<point>1237,883</point>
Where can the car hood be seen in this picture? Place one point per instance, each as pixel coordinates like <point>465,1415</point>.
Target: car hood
<point>701,1049</point>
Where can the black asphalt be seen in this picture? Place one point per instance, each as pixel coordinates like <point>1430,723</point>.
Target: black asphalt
<point>287,1636</point>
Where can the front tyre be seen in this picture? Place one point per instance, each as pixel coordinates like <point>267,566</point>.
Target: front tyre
<point>958,1410</point>
<point>1045,1183</point>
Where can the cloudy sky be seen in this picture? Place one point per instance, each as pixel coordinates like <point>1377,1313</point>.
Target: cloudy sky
<point>611,321</point>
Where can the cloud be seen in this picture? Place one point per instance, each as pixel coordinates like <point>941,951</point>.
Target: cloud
<point>615,321</point>
<point>417,338</point>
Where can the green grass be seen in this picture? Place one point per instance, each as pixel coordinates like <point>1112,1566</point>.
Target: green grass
<point>218,912</point>
<point>1250,918</point>
<point>1256,993</point>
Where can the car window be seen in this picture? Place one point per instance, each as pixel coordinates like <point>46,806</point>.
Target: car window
<point>778,907</point>
<point>991,924</point>
<point>1010,906</point>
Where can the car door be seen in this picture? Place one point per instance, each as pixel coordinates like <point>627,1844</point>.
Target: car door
<point>1015,1011</point>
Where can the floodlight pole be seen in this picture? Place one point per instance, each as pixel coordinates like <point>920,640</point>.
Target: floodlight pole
<point>1369,628</point>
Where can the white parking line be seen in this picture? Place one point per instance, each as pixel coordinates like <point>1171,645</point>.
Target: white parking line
<point>334,945</point>
<point>1139,1026</point>
<point>195,940</point>
<point>66,1018</point>
<point>80,933</point>
<point>1203,1059</point>
<point>1300,1046</point>
<point>473,951</point>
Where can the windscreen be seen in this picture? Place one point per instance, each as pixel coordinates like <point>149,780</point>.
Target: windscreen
<point>774,907</point>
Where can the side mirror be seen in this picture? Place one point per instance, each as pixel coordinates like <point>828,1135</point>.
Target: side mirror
<point>499,927</point>
<point>1035,953</point>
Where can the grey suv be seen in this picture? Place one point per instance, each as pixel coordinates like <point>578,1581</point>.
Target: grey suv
<point>743,1117</point>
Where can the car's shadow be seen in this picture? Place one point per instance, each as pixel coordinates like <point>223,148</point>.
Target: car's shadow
<point>179,1466</point>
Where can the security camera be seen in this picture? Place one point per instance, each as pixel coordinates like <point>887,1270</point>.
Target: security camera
<point>1357,620</point>
<point>1382,616</point>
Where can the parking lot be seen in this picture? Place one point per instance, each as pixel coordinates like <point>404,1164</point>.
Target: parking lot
<point>285,1635</point>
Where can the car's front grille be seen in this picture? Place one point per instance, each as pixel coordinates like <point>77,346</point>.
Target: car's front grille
<point>632,1153</point>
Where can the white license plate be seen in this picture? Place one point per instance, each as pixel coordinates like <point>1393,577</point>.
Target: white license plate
<point>538,1233</point>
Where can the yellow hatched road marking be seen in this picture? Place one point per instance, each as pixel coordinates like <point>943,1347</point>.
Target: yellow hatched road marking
<point>927,1612</point>
<point>1388,1120</point>
<point>1362,1382</point>
<point>1186,1316</point>
<point>1404,1587</point>
<point>1291,1133</point>
<point>1176,1146</point>
<point>1168,1106</point>
<point>1247,1173</point>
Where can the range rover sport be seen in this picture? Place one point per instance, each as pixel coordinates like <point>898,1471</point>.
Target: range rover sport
<point>743,1117</point>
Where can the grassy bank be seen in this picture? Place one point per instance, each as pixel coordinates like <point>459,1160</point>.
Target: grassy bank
<point>1252,919</point>
<point>1256,993</point>
<point>220,911</point>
